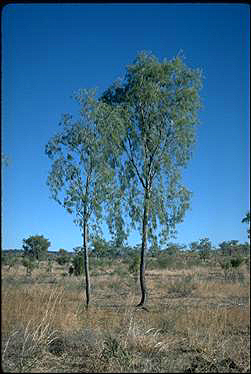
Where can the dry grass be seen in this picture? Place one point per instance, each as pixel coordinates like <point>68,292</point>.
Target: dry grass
<point>198,322</point>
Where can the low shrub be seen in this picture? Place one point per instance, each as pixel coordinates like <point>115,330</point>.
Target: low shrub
<point>29,264</point>
<point>236,262</point>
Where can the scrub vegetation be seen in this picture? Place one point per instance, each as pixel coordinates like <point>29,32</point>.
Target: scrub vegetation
<point>198,317</point>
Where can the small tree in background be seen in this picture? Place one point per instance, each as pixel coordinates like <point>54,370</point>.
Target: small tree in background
<point>193,247</point>
<point>36,247</point>
<point>174,249</point>
<point>63,257</point>
<point>229,247</point>
<point>205,247</point>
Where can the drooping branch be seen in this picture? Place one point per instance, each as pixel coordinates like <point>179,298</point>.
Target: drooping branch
<point>131,159</point>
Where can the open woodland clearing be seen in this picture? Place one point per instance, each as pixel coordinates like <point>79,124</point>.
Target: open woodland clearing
<point>198,319</point>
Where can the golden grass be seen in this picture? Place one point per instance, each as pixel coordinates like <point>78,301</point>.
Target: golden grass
<point>211,322</point>
<point>221,290</point>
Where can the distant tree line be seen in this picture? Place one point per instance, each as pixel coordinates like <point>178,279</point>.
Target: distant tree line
<point>230,254</point>
<point>101,248</point>
<point>35,249</point>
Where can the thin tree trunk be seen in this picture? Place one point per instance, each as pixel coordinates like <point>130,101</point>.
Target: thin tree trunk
<point>86,264</point>
<point>143,251</point>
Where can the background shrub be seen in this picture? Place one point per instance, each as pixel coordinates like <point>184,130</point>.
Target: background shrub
<point>30,264</point>
<point>78,264</point>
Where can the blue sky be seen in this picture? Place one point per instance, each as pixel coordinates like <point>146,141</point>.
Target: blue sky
<point>49,51</point>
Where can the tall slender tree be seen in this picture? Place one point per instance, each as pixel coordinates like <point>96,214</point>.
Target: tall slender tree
<point>80,178</point>
<point>148,119</point>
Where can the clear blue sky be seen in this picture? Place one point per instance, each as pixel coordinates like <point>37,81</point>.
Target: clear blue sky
<point>49,51</point>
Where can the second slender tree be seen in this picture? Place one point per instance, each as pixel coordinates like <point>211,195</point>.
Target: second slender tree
<point>80,178</point>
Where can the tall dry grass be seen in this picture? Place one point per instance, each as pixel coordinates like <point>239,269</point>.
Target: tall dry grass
<point>194,324</point>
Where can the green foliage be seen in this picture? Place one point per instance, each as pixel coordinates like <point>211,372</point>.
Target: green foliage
<point>148,120</point>
<point>230,267</point>
<point>154,249</point>
<point>113,350</point>
<point>80,178</point>
<point>101,263</point>
<point>36,247</point>
<point>63,258</point>
<point>246,220</point>
<point>9,259</point>
<point>71,270</point>
<point>174,249</point>
<point>225,265</point>
<point>203,247</point>
<point>236,262</point>
<point>100,247</point>
<point>78,264</point>
<point>193,246</point>
<point>228,247</point>
<point>233,248</point>
<point>134,263</point>
<point>164,261</point>
<point>170,260</point>
<point>29,263</point>
<point>12,261</point>
<point>127,150</point>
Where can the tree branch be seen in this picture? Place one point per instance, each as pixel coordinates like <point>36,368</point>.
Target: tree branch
<point>131,159</point>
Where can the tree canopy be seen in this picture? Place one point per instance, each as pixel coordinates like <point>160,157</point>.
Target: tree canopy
<point>149,120</point>
<point>36,247</point>
<point>81,178</point>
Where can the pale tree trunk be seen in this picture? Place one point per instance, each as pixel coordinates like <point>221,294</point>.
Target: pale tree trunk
<point>86,264</point>
<point>143,251</point>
